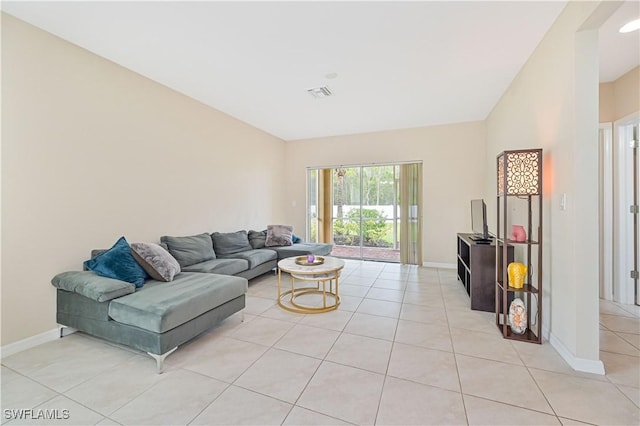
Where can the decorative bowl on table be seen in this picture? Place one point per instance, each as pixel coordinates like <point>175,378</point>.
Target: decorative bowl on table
<point>309,260</point>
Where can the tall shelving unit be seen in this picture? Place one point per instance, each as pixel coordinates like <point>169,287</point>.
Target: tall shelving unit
<point>519,199</point>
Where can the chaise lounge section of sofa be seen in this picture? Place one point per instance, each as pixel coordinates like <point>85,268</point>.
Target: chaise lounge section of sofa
<point>158,316</point>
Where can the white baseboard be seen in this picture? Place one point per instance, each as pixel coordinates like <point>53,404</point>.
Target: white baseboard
<point>578,364</point>
<point>439,265</point>
<point>546,333</point>
<point>33,341</point>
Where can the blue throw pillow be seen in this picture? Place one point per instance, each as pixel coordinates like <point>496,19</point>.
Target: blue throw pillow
<point>295,239</point>
<point>118,263</point>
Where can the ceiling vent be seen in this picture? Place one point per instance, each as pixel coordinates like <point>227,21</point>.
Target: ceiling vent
<point>320,92</point>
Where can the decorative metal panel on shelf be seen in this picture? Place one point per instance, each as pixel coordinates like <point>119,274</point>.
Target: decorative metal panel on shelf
<point>519,175</point>
<point>519,172</point>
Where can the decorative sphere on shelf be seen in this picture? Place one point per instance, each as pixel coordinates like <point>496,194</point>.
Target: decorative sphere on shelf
<point>518,316</point>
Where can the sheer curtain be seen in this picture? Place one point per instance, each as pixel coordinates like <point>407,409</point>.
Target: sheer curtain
<point>325,206</point>
<point>411,213</point>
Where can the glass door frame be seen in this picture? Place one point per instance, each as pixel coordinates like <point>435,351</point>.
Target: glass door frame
<point>313,202</point>
<point>361,207</point>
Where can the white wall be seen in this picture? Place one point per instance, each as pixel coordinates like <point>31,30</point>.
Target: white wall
<point>453,160</point>
<point>553,104</point>
<point>92,151</point>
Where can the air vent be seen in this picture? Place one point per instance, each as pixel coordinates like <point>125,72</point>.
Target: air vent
<point>320,92</point>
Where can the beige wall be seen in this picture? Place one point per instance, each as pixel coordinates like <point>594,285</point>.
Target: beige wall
<point>92,151</point>
<point>626,91</point>
<point>621,97</point>
<point>452,157</point>
<point>606,103</point>
<point>553,104</point>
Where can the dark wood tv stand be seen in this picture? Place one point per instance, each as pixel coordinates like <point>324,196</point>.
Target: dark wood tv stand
<point>477,271</point>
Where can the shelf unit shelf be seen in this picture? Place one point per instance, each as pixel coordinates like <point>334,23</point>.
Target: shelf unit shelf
<point>527,288</point>
<point>519,177</point>
<point>514,242</point>
<point>527,336</point>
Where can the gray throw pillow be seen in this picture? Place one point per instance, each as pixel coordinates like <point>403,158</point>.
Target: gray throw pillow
<point>225,243</point>
<point>190,250</point>
<point>158,263</point>
<point>279,235</point>
<point>257,238</point>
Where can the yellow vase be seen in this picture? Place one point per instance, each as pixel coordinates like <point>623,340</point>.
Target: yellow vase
<point>517,272</point>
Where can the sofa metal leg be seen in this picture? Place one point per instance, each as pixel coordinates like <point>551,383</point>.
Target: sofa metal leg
<point>241,316</point>
<point>160,359</point>
<point>65,331</point>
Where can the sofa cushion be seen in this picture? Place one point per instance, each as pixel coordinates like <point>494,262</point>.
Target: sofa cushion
<point>279,235</point>
<point>96,252</point>
<point>257,238</point>
<point>118,263</point>
<point>225,243</point>
<point>302,249</point>
<point>161,307</point>
<point>255,257</point>
<point>158,263</point>
<point>219,266</point>
<point>91,285</point>
<point>190,250</point>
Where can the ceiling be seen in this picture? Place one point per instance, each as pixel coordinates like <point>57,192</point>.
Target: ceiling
<point>619,53</point>
<point>389,65</point>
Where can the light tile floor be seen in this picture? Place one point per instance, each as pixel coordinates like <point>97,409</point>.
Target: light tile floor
<point>403,348</point>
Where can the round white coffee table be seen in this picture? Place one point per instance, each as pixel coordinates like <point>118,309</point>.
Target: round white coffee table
<point>325,275</point>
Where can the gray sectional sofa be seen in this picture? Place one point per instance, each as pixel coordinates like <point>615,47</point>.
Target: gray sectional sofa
<point>159,316</point>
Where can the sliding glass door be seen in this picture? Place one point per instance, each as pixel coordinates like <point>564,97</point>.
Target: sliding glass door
<point>359,210</point>
<point>364,219</point>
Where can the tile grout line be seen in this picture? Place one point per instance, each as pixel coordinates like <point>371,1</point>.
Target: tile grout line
<point>229,384</point>
<point>536,382</point>
<point>455,359</point>
<point>624,394</point>
<point>212,401</point>
<point>63,393</point>
<point>340,333</point>
<point>386,373</point>
<point>323,360</point>
<point>232,383</point>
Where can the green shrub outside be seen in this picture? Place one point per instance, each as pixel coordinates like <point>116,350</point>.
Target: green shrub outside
<point>376,231</point>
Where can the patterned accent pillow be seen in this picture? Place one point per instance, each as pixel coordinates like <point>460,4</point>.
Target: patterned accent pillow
<point>279,235</point>
<point>156,261</point>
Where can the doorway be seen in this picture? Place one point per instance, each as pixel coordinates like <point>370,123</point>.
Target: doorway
<point>365,213</point>
<point>619,192</point>
<point>359,209</point>
<point>626,250</point>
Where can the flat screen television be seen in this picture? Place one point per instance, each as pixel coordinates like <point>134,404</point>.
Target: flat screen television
<point>479,221</point>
